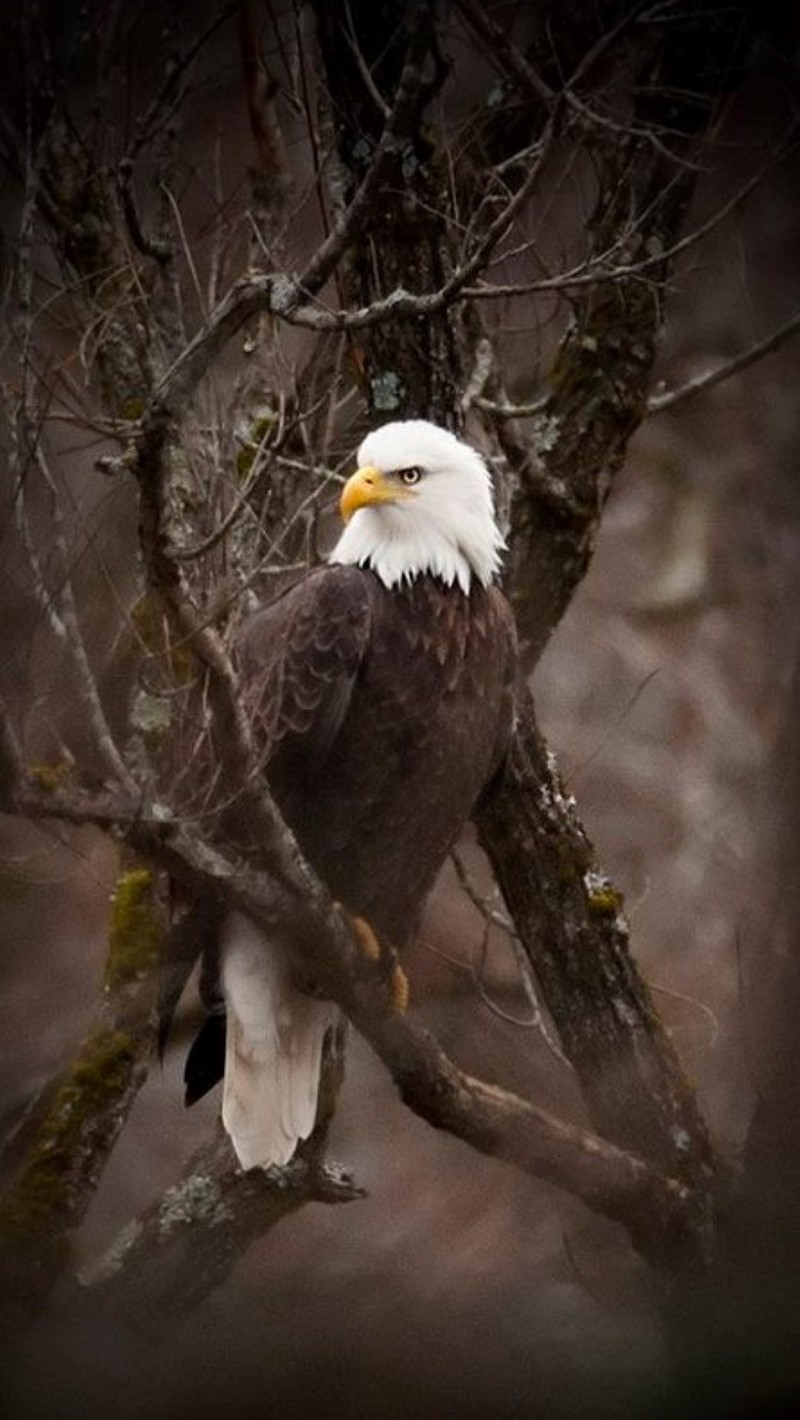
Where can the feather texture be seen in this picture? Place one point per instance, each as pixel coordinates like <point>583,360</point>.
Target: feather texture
<point>447,529</point>
<point>273,1050</point>
<point>382,714</point>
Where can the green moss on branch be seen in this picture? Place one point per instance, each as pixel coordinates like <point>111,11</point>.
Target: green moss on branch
<point>136,929</point>
<point>49,1193</point>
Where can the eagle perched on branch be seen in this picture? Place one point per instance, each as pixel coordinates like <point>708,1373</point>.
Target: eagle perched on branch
<point>380,688</point>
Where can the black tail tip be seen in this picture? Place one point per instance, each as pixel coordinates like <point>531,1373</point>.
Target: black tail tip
<point>205,1063</point>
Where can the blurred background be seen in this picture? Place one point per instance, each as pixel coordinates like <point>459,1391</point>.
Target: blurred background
<point>458,1287</point>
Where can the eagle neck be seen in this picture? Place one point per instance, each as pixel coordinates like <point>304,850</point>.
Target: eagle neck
<point>399,554</point>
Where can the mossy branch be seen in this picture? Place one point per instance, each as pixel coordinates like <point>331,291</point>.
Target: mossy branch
<point>184,1245</point>
<point>664,1219</point>
<point>72,1133</point>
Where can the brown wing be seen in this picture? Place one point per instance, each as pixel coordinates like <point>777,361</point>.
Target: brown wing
<point>428,723</point>
<point>505,630</point>
<point>299,658</point>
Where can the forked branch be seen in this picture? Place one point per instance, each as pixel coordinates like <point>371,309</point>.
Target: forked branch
<point>660,1212</point>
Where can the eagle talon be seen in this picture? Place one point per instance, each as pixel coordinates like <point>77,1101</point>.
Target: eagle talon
<point>399,990</point>
<point>368,943</point>
<point>374,952</point>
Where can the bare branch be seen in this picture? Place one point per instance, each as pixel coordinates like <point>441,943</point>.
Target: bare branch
<point>650,1163</point>
<point>165,1262</point>
<point>363,67</point>
<point>325,260</point>
<point>504,410</point>
<point>493,918</point>
<point>605,267</point>
<point>287,297</point>
<point>186,248</point>
<point>172,87</point>
<point>571,922</point>
<point>64,621</point>
<point>77,1120</point>
<point>669,398</point>
<point>498,43</point>
<point>28,453</point>
<point>529,80</point>
<point>271,175</point>
<point>159,251</point>
<point>658,1211</point>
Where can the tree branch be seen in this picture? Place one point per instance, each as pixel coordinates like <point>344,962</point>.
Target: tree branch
<point>663,1217</point>
<point>652,1168</point>
<point>328,256</point>
<point>657,403</point>
<point>76,1122</point>
<point>167,1261</point>
<point>570,920</point>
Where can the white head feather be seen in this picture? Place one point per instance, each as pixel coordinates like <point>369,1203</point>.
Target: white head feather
<point>444,525</point>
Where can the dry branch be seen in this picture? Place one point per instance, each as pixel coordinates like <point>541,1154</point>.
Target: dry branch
<point>166,1261</point>
<point>669,398</point>
<point>659,1211</point>
<point>74,1125</point>
<point>571,921</point>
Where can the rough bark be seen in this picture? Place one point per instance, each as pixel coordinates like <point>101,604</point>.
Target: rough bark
<point>596,389</point>
<point>73,1128</point>
<point>185,1245</point>
<point>408,367</point>
<point>571,921</point>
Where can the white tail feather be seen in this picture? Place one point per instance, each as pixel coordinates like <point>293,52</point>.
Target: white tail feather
<point>273,1048</point>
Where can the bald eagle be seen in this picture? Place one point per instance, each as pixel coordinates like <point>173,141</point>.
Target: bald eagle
<point>380,690</point>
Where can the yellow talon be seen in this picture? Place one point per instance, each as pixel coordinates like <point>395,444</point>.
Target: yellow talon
<point>399,990</point>
<point>368,943</point>
<point>370,949</point>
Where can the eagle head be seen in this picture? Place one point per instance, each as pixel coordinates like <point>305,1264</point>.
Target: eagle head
<point>420,502</point>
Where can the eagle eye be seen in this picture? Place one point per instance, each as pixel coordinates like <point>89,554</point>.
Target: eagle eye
<point>409,476</point>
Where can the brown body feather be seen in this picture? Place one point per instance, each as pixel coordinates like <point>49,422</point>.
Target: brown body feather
<point>382,714</point>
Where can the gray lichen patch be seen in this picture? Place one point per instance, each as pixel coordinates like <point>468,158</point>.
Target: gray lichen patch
<point>387,390</point>
<point>197,1200</point>
<point>544,432</point>
<point>150,714</point>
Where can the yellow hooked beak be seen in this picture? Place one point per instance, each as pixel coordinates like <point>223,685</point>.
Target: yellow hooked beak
<point>367,487</point>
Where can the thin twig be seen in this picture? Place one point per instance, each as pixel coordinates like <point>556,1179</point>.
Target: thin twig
<point>187,250</point>
<point>328,255</point>
<point>492,918</point>
<point>60,611</point>
<point>172,90</point>
<point>363,67</point>
<point>657,403</point>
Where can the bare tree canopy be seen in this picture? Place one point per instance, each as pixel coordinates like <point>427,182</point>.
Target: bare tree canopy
<point>236,237</point>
